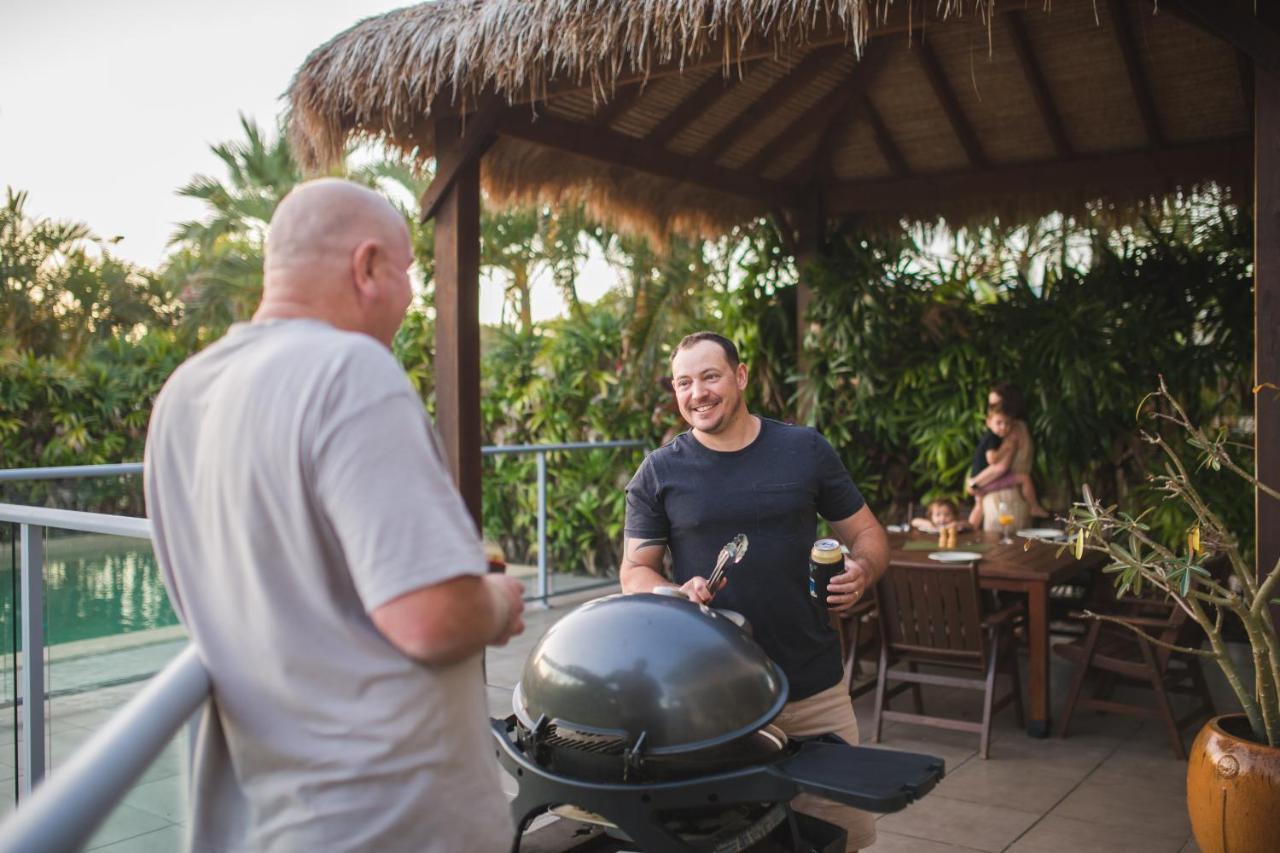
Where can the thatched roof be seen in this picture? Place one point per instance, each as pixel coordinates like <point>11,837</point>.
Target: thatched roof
<point>694,115</point>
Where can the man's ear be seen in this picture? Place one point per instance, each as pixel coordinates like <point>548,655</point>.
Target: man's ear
<point>742,376</point>
<point>363,265</point>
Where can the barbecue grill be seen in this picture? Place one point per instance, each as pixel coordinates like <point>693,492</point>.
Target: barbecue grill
<point>649,716</point>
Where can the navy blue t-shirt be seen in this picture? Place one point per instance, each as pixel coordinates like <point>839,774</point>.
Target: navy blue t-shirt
<point>989,441</point>
<point>773,490</point>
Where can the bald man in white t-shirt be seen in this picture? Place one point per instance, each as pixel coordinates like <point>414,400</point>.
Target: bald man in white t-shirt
<point>324,564</point>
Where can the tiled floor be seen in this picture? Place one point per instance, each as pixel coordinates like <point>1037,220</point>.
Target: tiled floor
<point>1114,785</point>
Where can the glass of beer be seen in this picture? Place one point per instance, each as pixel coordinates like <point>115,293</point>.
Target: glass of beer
<point>1006,523</point>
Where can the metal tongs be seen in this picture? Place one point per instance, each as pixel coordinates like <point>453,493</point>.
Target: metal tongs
<point>735,550</point>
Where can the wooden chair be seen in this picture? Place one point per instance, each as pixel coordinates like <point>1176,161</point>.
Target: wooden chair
<point>1118,654</point>
<point>932,614</point>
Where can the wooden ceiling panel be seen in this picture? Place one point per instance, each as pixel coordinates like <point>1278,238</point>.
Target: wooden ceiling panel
<point>856,155</point>
<point>1195,79</point>
<point>660,97</point>
<point>1082,64</point>
<point>780,118</point>
<point>758,78</point>
<point>914,117</point>
<point>992,90</point>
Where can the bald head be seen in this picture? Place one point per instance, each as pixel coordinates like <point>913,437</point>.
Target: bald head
<point>336,251</point>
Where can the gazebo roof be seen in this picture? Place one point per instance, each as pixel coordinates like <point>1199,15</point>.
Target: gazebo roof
<point>692,116</point>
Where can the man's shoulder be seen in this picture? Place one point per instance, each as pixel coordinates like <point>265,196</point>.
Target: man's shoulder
<point>787,433</point>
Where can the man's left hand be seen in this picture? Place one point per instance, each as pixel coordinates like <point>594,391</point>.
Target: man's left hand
<point>849,587</point>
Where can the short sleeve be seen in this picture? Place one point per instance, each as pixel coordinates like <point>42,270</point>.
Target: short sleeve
<point>646,517</point>
<point>399,519</point>
<point>838,497</point>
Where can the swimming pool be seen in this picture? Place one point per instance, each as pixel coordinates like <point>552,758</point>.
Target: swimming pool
<point>94,586</point>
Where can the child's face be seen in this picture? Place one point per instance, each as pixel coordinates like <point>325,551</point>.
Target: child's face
<point>941,514</point>
<point>999,424</point>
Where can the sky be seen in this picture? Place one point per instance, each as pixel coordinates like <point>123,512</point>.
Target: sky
<point>107,108</point>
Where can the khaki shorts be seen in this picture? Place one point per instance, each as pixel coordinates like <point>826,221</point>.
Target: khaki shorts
<point>830,711</point>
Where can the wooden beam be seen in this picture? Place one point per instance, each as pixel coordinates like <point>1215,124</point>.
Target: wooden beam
<point>478,133</point>
<point>623,97</point>
<point>620,150</point>
<point>1039,86</point>
<point>692,107</point>
<point>1266,311</point>
<point>759,110</point>
<point>1128,45</point>
<point>825,110</point>
<point>950,103</point>
<point>1254,33</point>
<point>884,140</point>
<point>1141,170</point>
<point>457,304</point>
<point>1245,64</point>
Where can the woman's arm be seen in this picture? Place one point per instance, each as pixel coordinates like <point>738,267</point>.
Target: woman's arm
<point>997,469</point>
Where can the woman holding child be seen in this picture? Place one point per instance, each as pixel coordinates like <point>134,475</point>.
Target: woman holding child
<point>1004,454</point>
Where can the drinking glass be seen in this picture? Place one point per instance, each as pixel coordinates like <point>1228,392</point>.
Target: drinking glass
<point>1006,523</point>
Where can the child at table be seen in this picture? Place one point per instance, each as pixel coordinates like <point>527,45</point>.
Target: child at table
<point>1006,465</point>
<point>942,513</point>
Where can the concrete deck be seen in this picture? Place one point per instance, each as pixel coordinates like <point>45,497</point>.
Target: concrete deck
<point>1114,785</point>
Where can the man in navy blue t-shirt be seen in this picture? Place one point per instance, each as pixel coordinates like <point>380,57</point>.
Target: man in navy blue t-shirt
<point>735,472</point>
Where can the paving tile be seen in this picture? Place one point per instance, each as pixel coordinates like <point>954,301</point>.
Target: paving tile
<point>1055,834</point>
<point>126,822</point>
<point>166,840</point>
<point>1136,806</point>
<point>1072,758</point>
<point>892,842</point>
<point>1151,769</point>
<point>976,825</point>
<point>166,798</point>
<point>1003,783</point>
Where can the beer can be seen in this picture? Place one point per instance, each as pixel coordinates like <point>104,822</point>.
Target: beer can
<point>826,560</point>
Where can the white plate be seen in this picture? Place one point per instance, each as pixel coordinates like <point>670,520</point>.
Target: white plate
<point>955,556</point>
<point>1042,533</point>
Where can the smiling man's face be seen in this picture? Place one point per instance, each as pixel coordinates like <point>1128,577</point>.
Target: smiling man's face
<point>708,390</point>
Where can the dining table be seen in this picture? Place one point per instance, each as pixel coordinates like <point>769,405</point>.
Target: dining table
<point>1026,565</point>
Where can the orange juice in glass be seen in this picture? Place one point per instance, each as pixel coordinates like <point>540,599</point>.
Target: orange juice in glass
<point>1005,517</point>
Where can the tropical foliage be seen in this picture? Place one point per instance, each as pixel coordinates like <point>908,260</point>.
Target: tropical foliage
<point>907,332</point>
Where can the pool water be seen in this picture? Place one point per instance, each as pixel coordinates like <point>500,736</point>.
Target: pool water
<point>94,586</point>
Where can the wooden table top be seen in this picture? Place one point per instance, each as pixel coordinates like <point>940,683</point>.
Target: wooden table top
<point>1025,559</point>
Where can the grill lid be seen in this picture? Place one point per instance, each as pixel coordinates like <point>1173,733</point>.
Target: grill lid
<point>677,673</point>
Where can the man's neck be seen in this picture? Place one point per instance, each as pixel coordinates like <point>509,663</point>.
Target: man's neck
<point>738,435</point>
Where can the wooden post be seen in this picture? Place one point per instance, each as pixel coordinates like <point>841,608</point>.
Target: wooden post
<point>1266,310</point>
<point>457,302</point>
<point>808,234</point>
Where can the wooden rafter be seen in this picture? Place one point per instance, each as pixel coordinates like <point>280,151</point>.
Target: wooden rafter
<point>779,93</point>
<point>884,140</point>
<point>617,149</point>
<point>693,106</point>
<point>477,134</point>
<point>1128,45</point>
<point>1246,82</point>
<point>1139,170</point>
<point>822,113</point>
<point>1039,86</point>
<point>950,103</point>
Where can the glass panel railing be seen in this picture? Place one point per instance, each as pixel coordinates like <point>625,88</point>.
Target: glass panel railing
<point>109,628</point>
<point>9,727</point>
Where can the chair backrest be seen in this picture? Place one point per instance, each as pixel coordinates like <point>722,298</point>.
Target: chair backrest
<point>933,611</point>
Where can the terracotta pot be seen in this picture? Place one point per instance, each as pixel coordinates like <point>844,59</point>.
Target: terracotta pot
<point>1233,789</point>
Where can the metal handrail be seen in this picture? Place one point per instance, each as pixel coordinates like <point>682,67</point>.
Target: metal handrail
<point>67,808</point>
<point>81,522</point>
<point>125,469</point>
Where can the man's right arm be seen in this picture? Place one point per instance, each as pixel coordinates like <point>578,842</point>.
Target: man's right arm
<point>641,570</point>
<point>450,621</point>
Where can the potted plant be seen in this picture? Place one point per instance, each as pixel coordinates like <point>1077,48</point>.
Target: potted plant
<point>1232,796</point>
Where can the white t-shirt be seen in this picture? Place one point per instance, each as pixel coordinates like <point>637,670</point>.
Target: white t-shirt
<point>294,485</point>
